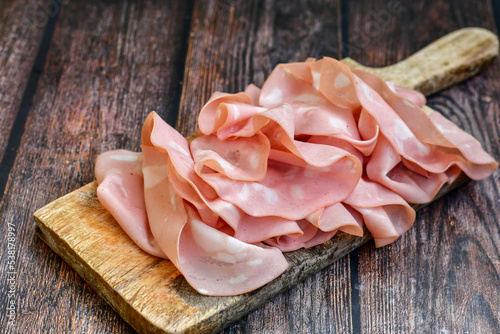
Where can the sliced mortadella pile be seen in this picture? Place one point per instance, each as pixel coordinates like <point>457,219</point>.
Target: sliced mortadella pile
<point>191,187</point>
<point>276,195</point>
<point>425,151</point>
<point>322,174</point>
<point>120,191</point>
<point>321,148</point>
<point>196,249</point>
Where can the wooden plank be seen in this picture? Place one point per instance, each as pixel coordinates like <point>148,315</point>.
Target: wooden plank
<point>109,64</point>
<point>440,72</point>
<point>89,239</point>
<point>441,276</point>
<point>149,293</point>
<point>21,31</point>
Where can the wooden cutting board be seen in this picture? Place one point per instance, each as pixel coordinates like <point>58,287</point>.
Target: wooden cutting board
<point>151,295</point>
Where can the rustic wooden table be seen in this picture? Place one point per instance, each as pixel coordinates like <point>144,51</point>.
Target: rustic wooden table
<point>78,78</point>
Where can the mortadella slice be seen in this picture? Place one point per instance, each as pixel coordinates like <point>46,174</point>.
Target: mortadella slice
<point>120,191</point>
<point>385,214</point>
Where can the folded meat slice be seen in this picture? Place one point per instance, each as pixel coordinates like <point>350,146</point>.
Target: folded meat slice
<point>190,186</point>
<point>224,215</point>
<point>120,191</point>
<point>243,158</point>
<point>421,150</point>
<point>338,217</point>
<point>310,237</point>
<point>216,264</point>
<point>477,164</point>
<point>324,174</point>
<point>215,114</point>
<point>385,214</point>
<point>276,195</point>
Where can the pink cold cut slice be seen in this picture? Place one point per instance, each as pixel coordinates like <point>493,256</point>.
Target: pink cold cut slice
<point>121,191</point>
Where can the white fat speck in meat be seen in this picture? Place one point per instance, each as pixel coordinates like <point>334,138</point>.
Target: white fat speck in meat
<point>275,97</point>
<point>310,98</point>
<point>238,279</point>
<point>254,263</point>
<point>341,81</point>
<point>225,257</point>
<point>316,79</point>
<point>337,122</point>
<point>408,103</point>
<point>244,192</point>
<point>297,191</point>
<point>270,195</point>
<point>402,131</point>
<point>368,91</point>
<point>254,160</point>
<point>123,157</point>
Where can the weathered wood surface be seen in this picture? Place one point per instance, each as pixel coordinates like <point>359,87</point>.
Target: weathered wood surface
<point>411,286</point>
<point>474,48</point>
<point>443,275</point>
<point>108,65</point>
<point>234,43</point>
<point>150,294</point>
<point>22,26</point>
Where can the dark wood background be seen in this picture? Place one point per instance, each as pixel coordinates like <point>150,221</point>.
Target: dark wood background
<point>78,78</point>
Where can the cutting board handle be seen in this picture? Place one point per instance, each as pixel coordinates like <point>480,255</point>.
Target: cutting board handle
<point>449,60</point>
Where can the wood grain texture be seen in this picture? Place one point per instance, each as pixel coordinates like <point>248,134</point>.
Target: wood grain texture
<point>475,48</point>
<point>443,275</point>
<point>22,26</point>
<point>411,286</point>
<point>109,64</point>
<point>234,43</point>
<point>149,293</point>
